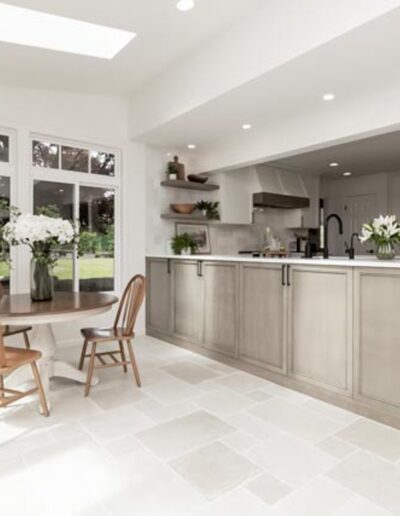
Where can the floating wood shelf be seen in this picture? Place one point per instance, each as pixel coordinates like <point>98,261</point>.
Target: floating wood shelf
<point>197,218</point>
<point>189,185</point>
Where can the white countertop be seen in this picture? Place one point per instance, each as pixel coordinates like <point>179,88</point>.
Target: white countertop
<point>336,261</point>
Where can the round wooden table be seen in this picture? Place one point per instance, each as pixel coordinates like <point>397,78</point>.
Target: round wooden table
<point>19,309</point>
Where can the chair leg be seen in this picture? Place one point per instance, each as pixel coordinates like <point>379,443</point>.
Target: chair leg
<point>121,348</point>
<point>90,370</point>
<point>134,364</point>
<point>27,341</point>
<point>38,381</point>
<point>1,386</point>
<point>82,359</point>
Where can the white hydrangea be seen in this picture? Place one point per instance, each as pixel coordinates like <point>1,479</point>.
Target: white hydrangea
<point>30,229</point>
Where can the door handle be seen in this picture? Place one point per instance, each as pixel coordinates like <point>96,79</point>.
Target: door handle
<point>288,275</point>
<point>283,275</point>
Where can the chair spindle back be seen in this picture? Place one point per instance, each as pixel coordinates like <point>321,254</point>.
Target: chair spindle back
<point>130,303</point>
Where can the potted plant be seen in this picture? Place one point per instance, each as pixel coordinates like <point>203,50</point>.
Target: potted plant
<point>183,244</point>
<point>209,209</point>
<point>385,233</point>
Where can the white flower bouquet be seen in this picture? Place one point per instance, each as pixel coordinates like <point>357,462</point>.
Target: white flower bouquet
<point>384,232</point>
<point>44,235</point>
<point>40,232</point>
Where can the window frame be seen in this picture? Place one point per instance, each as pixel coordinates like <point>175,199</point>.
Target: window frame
<point>77,180</point>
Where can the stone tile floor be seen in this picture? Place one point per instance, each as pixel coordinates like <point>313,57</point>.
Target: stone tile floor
<point>198,439</point>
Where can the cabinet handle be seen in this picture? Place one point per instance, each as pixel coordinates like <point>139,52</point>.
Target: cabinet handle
<point>288,276</point>
<point>199,269</point>
<point>169,266</point>
<point>283,275</point>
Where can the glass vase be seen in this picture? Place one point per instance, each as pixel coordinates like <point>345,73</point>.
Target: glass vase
<point>41,281</point>
<point>385,251</point>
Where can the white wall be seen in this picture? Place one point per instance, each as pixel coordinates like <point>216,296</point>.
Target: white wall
<point>91,119</point>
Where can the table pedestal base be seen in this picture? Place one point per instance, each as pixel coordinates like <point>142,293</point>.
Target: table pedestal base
<point>43,340</point>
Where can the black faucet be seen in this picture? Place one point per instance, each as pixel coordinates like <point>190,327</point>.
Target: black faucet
<point>340,223</point>
<point>350,250</point>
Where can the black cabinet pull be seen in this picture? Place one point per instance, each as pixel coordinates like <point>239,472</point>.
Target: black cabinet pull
<point>283,275</point>
<point>199,269</point>
<point>169,266</point>
<point>288,276</point>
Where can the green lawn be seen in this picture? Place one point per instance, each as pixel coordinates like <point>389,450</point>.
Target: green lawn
<point>89,268</point>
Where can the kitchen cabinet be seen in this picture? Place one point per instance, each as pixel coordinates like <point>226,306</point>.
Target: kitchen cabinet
<point>263,316</point>
<point>377,336</point>
<point>220,290</point>
<point>158,299</point>
<point>320,326</point>
<point>187,300</point>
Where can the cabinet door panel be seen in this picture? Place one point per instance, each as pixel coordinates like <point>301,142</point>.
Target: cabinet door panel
<point>220,307</point>
<point>377,335</point>
<point>320,327</point>
<point>187,294</point>
<point>263,339</point>
<point>159,296</point>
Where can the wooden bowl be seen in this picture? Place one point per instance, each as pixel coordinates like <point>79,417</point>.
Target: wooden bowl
<point>183,209</point>
<point>195,178</point>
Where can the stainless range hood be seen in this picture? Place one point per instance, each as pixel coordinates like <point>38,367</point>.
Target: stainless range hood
<point>277,188</point>
<point>274,200</point>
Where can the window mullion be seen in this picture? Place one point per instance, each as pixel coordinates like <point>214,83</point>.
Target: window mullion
<point>75,252</point>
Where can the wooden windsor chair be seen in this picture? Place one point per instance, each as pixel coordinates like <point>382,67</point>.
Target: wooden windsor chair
<point>13,358</point>
<point>15,330</point>
<point>122,332</point>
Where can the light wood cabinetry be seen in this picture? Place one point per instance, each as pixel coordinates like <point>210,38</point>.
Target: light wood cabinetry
<point>220,306</point>
<point>158,299</point>
<point>187,300</point>
<point>377,336</point>
<point>263,316</point>
<point>320,326</point>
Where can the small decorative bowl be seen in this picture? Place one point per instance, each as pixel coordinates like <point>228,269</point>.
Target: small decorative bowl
<point>183,209</point>
<point>195,178</point>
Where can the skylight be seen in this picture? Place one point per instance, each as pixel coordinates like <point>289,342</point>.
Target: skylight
<point>37,29</point>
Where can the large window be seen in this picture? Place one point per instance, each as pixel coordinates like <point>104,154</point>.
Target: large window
<point>79,183</point>
<point>7,165</point>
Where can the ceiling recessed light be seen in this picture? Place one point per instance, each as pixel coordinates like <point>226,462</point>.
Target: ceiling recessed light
<point>191,146</point>
<point>38,29</point>
<point>185,5</point>
<point>347,174</point>
<point>334,164</point>
<point>168,154</point>
<point>328,97</point>
<point>246,127</point>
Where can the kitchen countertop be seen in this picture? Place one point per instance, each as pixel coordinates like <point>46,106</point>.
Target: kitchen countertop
<point>335,261</point>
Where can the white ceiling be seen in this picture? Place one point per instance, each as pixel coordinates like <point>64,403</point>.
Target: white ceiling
<point>361,60</point>
<point>164,36</point>
<point>367,156</point>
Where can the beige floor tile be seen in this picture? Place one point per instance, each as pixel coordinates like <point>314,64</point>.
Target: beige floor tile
<point>371,477</point>
<point>291,460</point>
<point>240,441</point>
<point>319,497</point>
<point>214,469</point>
<point>259,395</point>
<point>179,436</point>
<point>172,392</point>
<point>337,413</point>
<point>268,488</point>
<point>242,382</point>
<point>336,447</point>
<point>374,437</point>
<point>239,502</point>
<point>296,419</point>
<point>224,402</point>
<point>113,397</point>
<point>358,506</point>
<point>190,372</point>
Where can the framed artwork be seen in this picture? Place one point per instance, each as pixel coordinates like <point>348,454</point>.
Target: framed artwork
<point>200,234</point>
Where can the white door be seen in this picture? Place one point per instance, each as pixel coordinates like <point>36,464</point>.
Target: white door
<point>357,210</point>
